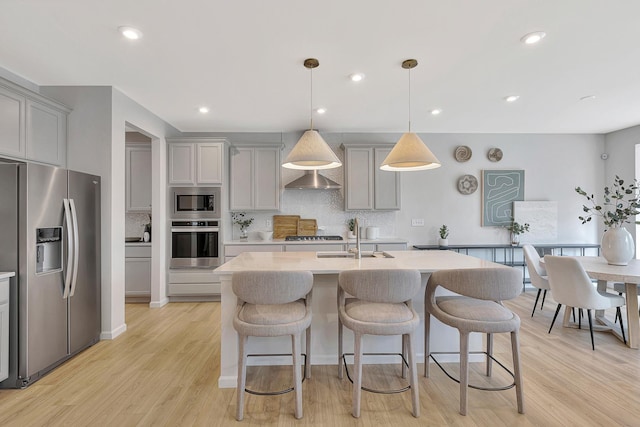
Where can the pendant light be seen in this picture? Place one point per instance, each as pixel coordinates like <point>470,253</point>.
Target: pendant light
<point>311,152</point>
<point>410,153</point>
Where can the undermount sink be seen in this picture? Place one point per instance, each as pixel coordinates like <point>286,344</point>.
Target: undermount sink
<point>338,254</point>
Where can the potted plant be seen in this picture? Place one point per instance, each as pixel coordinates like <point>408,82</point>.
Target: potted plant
<point>515,230</point>
<point>620,203</point>
<point>351,225</point>
<point>244,223</point>
<point>444,233</point>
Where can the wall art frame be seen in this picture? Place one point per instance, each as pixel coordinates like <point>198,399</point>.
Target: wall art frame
<point>500,188</point>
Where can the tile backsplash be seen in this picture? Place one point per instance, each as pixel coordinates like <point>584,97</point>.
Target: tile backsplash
<point>134,224</point>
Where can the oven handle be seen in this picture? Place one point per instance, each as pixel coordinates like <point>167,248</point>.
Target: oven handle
<point>194,229</point>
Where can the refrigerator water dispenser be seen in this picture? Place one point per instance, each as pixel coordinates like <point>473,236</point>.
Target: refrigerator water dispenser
<point>48,250</point>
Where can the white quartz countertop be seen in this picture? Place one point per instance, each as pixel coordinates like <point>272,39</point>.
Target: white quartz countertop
<point>6,274</point>
<point>424,261</point>
<point>381,240</point>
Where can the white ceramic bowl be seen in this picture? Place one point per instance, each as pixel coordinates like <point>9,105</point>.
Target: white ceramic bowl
<point>265,235</point>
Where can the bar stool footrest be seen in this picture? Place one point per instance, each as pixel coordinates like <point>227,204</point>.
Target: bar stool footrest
<point>370,390</point>
<point>285,391</point>
<point>507,387</point>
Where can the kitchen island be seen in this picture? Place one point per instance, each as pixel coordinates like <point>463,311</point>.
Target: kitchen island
<point>324,328</point>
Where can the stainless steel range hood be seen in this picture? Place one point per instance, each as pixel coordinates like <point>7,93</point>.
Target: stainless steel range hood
<point>313,180</point>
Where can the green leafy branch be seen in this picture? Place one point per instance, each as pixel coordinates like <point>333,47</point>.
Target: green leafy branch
<point>620,203</point>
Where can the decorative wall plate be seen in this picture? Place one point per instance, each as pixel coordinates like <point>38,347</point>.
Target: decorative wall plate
<point>494,154</point>
<point>462,153</point>
<point>467,184</point>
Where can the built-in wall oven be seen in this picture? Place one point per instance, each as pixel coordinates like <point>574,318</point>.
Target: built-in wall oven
<point>195,244</point>
<point>196,203</point>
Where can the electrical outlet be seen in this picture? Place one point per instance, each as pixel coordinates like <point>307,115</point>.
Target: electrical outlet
<point>417,222</point>
<point>267,223</point>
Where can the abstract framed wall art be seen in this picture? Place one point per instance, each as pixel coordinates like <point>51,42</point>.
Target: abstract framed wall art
<point>500,188</point>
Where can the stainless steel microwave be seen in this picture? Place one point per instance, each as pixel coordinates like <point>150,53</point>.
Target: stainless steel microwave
<point>196,203</point>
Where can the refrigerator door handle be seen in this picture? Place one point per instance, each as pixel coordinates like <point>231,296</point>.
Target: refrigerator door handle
<point>76,246</point>
<point>69,266</point>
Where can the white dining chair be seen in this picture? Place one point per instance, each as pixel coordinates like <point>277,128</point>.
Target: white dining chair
<point>537,274</point>
<point>572,287</point>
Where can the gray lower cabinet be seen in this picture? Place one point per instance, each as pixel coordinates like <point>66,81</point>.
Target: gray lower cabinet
<point>137,273</point>
<point>366,186</point>
<point>193,283</point>
<point>391,247</point>
<point>255,178</point>
<point>4,329</point>
<point>32,127</point>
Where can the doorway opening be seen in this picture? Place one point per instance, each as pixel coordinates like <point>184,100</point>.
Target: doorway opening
<point>138,219</point>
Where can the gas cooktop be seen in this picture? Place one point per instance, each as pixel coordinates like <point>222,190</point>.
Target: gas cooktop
<point>301,238</point>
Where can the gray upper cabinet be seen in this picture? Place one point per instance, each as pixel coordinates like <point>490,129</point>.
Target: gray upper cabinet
<point>366,186</point>
<point>182,170</point>
<point>209,163</point>
<point>32,127</point>
<point>46,133</point>
<point>12,139</point>
<point>255,178</point>
<point>387,191</point>
<point>196,161</point>
<point>138,178</point>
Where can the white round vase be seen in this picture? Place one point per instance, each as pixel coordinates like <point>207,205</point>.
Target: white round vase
<point>617,246</point>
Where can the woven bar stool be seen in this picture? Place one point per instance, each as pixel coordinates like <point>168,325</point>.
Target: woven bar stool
<point>381,306</point>
<point>476,308</point>
<point>271,304</point>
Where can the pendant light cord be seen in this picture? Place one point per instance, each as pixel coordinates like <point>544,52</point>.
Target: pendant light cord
<point>409,100</point>
<point>311,102</point>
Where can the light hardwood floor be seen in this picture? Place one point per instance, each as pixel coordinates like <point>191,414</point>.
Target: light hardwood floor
<point>163,372</point>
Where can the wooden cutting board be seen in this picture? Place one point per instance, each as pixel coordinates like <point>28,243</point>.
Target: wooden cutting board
<point>285,225</point>
<point>307,227</point>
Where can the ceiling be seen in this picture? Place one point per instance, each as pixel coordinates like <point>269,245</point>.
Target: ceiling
<point>243,59</point>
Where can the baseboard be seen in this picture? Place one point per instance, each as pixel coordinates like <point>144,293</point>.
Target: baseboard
<point>114,333</point>
<point>230,381</point>
<point>158,304</point>
<point>194,298</point>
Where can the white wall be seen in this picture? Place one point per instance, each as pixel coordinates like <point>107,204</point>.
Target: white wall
<point>88,150</point>
<point>96,145</point>
<point>621,148</point>
<point>554,165</point>
<point>128,112</point>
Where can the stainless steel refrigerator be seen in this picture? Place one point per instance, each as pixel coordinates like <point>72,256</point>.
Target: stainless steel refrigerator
<point>50,236</point>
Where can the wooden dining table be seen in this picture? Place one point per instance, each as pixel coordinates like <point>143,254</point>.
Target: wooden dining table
<point>598,268</point>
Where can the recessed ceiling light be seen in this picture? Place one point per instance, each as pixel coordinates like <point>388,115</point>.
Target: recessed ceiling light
<point>533,38</point>
<point>321,110</point>
<point>512,98</point>
<point>588,97</point>
<point>203,110</point>
<point>130,33</point>
<point>356,77</point>
<point>436,112</point>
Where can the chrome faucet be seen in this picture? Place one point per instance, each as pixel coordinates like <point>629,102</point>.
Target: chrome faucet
<point>356,250</point>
